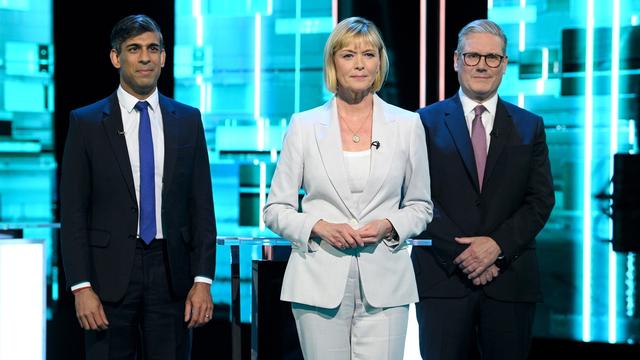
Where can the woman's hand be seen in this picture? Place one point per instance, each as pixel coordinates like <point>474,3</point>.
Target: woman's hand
<point>340,236</point>
<point>375,231</point>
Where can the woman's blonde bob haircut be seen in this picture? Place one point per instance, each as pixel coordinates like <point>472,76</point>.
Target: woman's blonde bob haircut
<point>347,31</point>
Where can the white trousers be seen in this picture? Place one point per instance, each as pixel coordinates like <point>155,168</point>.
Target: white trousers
<point>353,330</point>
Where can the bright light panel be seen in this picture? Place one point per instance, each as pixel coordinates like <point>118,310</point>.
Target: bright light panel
<point>22,299</point>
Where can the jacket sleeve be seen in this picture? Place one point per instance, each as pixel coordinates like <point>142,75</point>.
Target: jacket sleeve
<point>75,197</point>
<point>416,208</point>
<point>281,212</point>
<point>203,223</point>
<point>518,231</point>
<point>442,229</point>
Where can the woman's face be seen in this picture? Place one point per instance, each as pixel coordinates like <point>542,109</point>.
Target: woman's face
<point>357,65</point>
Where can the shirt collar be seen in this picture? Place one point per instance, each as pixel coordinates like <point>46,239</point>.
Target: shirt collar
<point>129,101</point>
<point>468,105</point>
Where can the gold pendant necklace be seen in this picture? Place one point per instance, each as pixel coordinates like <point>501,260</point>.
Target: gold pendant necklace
<point>355,137</point>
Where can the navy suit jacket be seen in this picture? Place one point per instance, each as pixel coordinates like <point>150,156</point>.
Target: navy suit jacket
<point>100,209</point>
<point>514,204</point>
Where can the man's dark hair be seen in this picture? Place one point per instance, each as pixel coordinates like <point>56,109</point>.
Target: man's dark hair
<point>132,26</point>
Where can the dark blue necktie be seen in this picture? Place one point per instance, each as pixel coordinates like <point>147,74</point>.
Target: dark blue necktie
<point>147,176</point>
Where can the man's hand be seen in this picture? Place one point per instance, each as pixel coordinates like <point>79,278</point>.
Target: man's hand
<point>340,236</point>
<point>375,231</point>
<point>475,259</point>
<point>488,275</point>
<point>89,310</point>
<point>198,308</point>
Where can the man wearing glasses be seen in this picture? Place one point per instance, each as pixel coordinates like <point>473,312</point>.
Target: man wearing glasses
<point>492,192</point>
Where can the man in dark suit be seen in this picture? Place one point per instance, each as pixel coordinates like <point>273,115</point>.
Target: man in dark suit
<point>492,191</point>
<point>138,227</point>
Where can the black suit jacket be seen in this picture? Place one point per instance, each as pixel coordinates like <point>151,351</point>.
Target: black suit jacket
<point>515,202</point>
<point>100,209</point>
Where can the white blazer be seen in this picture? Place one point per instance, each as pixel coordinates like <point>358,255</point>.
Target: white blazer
<point>397,189</point>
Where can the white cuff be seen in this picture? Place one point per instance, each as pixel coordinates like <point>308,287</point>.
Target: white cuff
<point>81,285</point>
<point>203,279</point>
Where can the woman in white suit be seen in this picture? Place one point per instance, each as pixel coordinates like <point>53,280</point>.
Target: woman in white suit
<point>363,166</point>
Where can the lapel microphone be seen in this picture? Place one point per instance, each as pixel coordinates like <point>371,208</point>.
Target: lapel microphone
<point>120,132</point>
<point>375,144</point>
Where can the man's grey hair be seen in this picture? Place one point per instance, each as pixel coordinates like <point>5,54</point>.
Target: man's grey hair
<point>482,26</point>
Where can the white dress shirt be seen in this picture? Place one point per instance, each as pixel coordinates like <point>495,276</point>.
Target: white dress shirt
<point>131,123</point>
<point>488,117</point>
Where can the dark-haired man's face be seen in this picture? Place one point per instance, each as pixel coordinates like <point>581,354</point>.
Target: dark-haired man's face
<point>140,62</point>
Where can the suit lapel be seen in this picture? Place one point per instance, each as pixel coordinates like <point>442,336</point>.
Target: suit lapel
<point>327,133</point>
<point>502,127</point>
<point>384,131</point>
<point>457,125</point>
<point>171,130</point>
<point>112,122</point>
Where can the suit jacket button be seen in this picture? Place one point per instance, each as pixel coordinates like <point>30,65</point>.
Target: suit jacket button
<point>134,209</point>
<point>477,202</point>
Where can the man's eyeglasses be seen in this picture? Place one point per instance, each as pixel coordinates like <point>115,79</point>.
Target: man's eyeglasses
<point>473,59</point>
